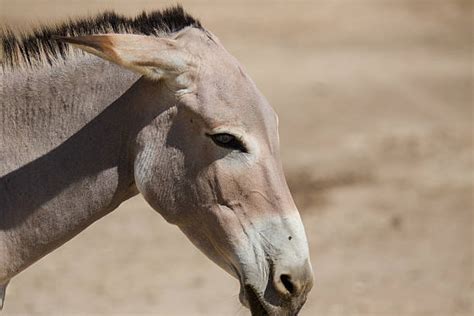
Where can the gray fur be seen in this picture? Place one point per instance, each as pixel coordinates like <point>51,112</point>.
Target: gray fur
<point>78,138</point>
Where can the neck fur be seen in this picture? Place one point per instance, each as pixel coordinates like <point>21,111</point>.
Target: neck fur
<point>64,161</point>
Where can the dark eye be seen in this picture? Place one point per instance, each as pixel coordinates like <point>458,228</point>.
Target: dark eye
<point>228,141</point>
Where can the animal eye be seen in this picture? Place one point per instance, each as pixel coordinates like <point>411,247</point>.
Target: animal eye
<point>228,141</point>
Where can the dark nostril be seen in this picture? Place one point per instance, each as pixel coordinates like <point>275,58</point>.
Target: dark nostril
<point>286,280</point>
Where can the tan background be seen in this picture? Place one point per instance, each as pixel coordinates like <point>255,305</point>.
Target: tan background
<point>375,100</point>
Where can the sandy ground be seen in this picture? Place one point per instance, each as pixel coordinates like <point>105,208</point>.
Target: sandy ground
<point>375,102</point>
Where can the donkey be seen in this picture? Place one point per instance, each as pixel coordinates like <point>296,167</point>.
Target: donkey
<point>159,108</point>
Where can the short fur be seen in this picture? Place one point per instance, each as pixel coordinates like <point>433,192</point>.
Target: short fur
<point>80,137</point>
<point>39,48</point>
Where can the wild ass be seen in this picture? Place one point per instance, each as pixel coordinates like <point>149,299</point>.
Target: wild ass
<point>164,111</point>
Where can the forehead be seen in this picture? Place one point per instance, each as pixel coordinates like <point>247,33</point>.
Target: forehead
<point>225,93</point>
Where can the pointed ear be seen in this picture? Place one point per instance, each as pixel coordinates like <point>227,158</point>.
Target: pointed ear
<point>156,58</point>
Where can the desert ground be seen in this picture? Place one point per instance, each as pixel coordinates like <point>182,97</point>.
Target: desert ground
<point>375,99</point>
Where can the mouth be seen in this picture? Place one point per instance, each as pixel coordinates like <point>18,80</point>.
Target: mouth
<point>257,306</point>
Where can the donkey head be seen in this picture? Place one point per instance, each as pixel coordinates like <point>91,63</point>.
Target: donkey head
<point>208,160</point>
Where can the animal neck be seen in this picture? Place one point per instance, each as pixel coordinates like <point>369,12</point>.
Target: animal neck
<point>64,155</point>
<point>41,108</point>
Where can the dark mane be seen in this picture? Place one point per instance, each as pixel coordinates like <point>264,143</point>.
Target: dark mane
<point>39,47</point>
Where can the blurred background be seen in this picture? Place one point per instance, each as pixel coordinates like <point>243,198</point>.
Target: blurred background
<point>375,99</point>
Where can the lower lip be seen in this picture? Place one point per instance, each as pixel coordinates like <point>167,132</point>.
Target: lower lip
<point>256,306</point>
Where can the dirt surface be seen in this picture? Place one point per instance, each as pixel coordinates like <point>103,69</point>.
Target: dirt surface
<point>375,103</point>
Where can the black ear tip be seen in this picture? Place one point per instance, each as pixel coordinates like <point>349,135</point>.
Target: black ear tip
<point>78,40</point>
<point>59,38</point>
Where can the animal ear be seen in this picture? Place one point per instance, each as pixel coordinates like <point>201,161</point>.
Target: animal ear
<point>156,58</point>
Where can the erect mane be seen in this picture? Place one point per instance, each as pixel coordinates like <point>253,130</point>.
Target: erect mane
<point>38,48</point>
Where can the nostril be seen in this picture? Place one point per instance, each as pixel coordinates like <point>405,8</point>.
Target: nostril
<point>286,280</point>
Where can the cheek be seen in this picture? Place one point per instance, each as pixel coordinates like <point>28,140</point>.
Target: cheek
<point>212,246</point>
<point>159,179</point>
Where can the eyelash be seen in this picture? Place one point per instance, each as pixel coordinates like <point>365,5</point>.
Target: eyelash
<point>232,143</point>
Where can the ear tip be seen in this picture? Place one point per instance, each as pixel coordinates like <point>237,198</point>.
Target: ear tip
<point>60,38</point>
<point>76,40</point>
<point>71,39</point>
